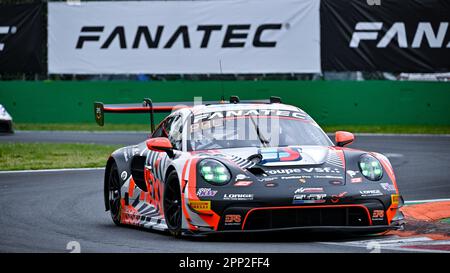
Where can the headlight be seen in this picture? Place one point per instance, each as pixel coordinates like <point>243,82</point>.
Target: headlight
<point>214,172</point>
<point>370,167</point>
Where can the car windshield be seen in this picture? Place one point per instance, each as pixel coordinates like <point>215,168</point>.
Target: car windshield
<point>224,131</point>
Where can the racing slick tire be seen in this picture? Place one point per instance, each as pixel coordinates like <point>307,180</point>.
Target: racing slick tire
<point>172,204</point>
<point>114,194</point>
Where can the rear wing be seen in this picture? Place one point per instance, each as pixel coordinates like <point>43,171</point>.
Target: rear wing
<point>147,106</point>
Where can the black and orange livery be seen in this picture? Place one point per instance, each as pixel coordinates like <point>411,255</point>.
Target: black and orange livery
<point>246,167</point>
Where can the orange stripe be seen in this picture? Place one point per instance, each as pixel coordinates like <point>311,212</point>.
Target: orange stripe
<point>183,203</point>
<point>131,187</point>
<point>212,219</point>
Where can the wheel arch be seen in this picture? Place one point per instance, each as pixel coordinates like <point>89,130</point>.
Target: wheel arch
<point>168,171</point>
<point>109,164</point>
<point>176,166</point>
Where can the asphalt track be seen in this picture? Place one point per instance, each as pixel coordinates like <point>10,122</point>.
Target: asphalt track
<point>44,211</point>
<point>421,163</point>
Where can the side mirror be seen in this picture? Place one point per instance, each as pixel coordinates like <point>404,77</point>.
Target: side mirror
<point>160,144</point>
<point>343,138</point>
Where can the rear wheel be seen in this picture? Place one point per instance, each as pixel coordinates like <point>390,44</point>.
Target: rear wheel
<point>115,207</point>
<point>172,204</point>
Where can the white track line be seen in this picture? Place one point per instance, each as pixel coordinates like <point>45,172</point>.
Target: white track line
<point>52,170</point>
<point>394,243</point>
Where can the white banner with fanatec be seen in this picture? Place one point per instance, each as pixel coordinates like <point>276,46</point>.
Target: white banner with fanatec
<point>184,37</point>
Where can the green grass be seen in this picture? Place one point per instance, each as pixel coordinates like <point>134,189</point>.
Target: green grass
<point>80,127</point>
<point>389,129</point>
<point>393,129</point>
<point>26,156</point>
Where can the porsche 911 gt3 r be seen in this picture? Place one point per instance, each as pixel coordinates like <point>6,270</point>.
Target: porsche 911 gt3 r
<point>246,167</point>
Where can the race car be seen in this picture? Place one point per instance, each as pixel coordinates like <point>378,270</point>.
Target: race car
<point>6,125</point>
<point>246,166</point>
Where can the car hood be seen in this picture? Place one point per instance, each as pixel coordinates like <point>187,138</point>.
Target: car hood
<point>280,156</point>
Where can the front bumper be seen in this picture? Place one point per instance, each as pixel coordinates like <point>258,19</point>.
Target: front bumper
<point>344,218</point>
<point>354,230</point>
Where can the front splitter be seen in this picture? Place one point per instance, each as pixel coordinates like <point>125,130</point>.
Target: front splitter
<point>308,229</point>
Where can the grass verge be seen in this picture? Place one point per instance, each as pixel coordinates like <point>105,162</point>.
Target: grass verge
<point>389,129</point>
<point>31,156</point>
<point>80,127</point>
<point>386,129</point>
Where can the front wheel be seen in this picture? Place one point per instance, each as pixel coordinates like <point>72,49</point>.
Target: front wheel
<point>172,204</point>
<point>114,194</point>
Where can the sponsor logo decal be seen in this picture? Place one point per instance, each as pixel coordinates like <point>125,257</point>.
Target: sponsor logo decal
<point>5,30</point>
<point>200,205</point>
<point>373,2</point>
<point>309,198</point>
<point>336,198</point>
<point>303,177</point>
<point>206,192</point>
<point>337,182</point>
<point>308,190</point>
<point>268,179</point>
<point>356,180</point>
<point>233,219</point>
<point>435,37</point>
<point>388,187</point>
<point>271,185</point>
<point>238,196</point>
<point>243,183</point>
<point>352,173</point>
<point>395,199</point>
<point>242,113</point>
<point>367,193</point>
<point>328,177</point>
<point>124,175</point>
<point>241,177</point>
<point>304,170</point>
<point>151,37</point>
<point>98,112</point>
<point>280,154</point>
<point>378,214</point>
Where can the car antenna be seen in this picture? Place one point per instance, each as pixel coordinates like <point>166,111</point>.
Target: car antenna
<point>222,100</point>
